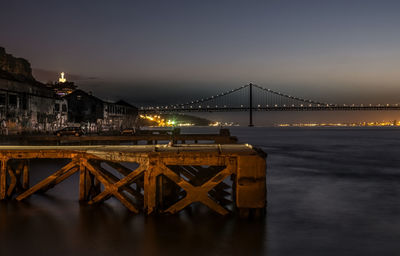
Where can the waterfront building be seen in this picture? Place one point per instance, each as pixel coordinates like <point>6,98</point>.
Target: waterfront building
<point>97,115</point>
<point>120,114</point>
<point>26,104</point>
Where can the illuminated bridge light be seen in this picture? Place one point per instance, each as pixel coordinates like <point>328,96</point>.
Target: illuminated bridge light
<point>258,105</point>
<point>276,105</point>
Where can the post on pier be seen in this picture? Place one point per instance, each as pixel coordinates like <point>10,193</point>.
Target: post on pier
<point>251,105</point>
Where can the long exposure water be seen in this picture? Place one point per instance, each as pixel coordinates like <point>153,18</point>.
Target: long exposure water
<point>330,192</point>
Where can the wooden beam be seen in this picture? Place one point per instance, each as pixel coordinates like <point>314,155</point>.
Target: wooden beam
<point>13,181</point>
<point>125,201</point>
<point>44,183</point>
<point>197,193</point>
<point>118,167</point>
<point>114,180</point>
<point>25,175</point>
<point>83,176</point>
<point>113,188</point>
<point>100,197</point>
<point>3,179</point>
<point>213,205</point>
<point>149,186</point>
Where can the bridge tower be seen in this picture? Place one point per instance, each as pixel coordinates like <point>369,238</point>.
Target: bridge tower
<point>251,105</point>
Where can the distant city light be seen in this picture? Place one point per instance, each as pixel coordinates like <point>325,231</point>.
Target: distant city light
<point>351,124</point>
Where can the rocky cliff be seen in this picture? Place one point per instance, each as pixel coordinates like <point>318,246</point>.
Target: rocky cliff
<point>15,68</point>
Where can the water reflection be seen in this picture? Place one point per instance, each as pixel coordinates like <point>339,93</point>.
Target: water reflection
<point>200,234</point>
<point>109,230</point>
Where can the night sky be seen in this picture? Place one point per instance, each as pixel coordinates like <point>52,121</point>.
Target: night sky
<point>169,51</point>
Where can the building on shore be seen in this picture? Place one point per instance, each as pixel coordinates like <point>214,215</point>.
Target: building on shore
<point>120,114</point>
<point>97,115</point>
<point>27,105</point>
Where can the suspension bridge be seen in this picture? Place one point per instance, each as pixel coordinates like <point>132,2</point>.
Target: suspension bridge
<point>252,97</point>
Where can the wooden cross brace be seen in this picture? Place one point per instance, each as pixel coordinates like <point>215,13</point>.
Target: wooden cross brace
<point>52,180</point>
<point>197,193</point>
<point>14,175</point>
<point>114,188</point>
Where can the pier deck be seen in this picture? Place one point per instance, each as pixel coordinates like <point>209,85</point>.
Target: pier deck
<point>155,178</point>
<point>150,137</point>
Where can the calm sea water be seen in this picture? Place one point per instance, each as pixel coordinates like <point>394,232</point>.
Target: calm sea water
<point>330,192</point>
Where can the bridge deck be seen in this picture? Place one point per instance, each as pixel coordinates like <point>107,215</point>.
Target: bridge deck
<point>273,108</point>
<point>166,179</point>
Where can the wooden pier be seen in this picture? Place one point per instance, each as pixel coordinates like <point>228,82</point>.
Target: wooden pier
<point>155,178</point>
<point>149,137</point>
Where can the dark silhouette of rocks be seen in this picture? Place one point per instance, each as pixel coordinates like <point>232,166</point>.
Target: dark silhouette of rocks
<point>12,68</point>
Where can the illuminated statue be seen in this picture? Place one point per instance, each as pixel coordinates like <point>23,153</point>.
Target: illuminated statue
<point>62,79</point>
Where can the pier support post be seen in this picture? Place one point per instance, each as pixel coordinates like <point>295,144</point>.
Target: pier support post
<point>84,182</point>
<point>250,184</point>
<point>25,175</point>
<point>3,179</point>
<point>150,186</point>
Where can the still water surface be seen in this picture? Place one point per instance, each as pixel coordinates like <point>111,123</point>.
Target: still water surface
<point>330,192</point>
